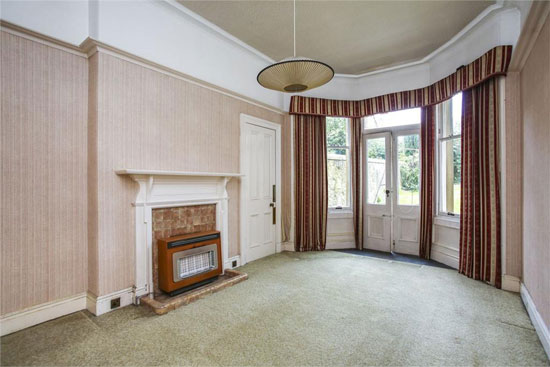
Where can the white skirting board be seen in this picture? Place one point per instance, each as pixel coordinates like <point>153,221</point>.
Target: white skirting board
<point>102,304</point>
<point>511,283</point>
<point>287,246</point>
<point>536,319</point>
<point>19,320</point>
<point>444,254</point>
<point>229,262</point>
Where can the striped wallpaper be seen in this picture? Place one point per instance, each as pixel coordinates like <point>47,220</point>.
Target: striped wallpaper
<point>44,172</point>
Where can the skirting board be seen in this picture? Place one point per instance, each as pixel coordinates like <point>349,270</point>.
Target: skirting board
<point>287,246</point>
<point>536,319</point>
<point>19,320</point>
<point>340,245</point>
<point>444,255</point>
<point>229,263</point>
<point>511,283</point>
<point>102,304</point>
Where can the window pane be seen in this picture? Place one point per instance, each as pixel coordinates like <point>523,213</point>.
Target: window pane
<point>408,169</point>
<point>452,115</point>
<point>338,177</point>
<point>337,132</point>
<point>450,176</point>
<point>456,103</point>
<point>376,171</point>
<point>397,118</point>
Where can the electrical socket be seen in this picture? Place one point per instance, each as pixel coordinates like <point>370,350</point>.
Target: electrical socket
<point>115,303</point>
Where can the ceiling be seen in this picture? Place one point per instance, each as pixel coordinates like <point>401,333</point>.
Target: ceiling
<point>354,37</point>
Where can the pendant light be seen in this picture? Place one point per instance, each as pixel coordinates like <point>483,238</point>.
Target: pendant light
<point>295,74</point>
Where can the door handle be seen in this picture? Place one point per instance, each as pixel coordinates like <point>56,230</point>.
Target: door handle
<point>388,193</point>
<point>274,213</point>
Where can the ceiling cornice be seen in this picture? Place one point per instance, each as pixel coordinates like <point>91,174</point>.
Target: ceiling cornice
<point>217,30</point>
<point>214,28</point>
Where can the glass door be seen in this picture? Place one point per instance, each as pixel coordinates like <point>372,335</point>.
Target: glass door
<point>377,201</point>
<point>392,191</point>
<point>406,191</point>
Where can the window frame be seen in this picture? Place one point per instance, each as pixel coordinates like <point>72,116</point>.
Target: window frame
<point>444,111</point>
<point>388,128</point>
<point>343,209</point>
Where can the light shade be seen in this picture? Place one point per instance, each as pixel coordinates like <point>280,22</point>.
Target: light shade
<point>295,74</point>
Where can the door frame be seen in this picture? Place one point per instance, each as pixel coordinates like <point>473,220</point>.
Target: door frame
<point>393,132</point>
<point>243,225</point>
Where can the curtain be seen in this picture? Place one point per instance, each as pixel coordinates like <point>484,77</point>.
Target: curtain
<point>356,180</point>
<point>427,179</point>
<point>480,256</point>
<point>310,172</point>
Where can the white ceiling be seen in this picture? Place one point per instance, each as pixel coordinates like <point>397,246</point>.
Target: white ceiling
<point>354,37</point>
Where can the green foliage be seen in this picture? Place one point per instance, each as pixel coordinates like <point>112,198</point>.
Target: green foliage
<point>456,161</point>
<point>377,148</point>
<point>409,161</point>
<point>336,133</point>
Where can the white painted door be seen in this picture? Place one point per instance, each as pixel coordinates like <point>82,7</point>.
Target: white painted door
<point>260,179</point>
<point>406,191</point>
<point>391,200</point>
<point>377,199</point>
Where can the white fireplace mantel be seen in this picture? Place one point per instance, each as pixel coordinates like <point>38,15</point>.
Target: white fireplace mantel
<point>162,189</point>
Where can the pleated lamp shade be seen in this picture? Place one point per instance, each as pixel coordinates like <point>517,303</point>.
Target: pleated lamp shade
<point>295,74</point>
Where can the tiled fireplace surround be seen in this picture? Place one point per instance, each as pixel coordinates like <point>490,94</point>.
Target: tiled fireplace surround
<point>174,221</point>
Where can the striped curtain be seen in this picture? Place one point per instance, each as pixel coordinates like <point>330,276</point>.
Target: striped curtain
<point>310,172</point>
<point>356,181</point>
<point>480,256</point>
<point>427,179</point>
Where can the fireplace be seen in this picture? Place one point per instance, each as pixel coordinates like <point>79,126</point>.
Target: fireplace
<point>188,261</point>
<point>174,189</point>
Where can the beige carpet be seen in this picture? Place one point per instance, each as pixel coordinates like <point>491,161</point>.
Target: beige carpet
<point>304,309</point>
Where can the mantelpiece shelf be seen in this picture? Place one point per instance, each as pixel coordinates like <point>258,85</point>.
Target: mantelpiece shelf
<point>147,172</point>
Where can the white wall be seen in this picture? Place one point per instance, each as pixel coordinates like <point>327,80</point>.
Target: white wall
<point>64,20</point>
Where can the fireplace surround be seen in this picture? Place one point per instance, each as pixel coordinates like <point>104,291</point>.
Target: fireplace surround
<point>172,189</point>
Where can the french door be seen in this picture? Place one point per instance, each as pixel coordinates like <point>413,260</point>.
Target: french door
<point>392,191</point>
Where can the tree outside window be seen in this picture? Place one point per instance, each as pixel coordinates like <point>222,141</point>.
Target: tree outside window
<point>338,158</point>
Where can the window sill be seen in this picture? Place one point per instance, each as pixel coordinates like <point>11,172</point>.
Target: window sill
<point>340,213</point>
<point>447,221</point>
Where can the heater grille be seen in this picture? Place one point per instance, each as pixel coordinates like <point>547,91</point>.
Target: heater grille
<point>195,264</point>
<point>194,261</point>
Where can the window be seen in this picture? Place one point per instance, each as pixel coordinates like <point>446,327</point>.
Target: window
<point>391,119</point>
<point>449,145</point>
<point>338,166</point>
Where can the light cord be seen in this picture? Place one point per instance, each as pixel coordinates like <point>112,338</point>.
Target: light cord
<point>295,28</point>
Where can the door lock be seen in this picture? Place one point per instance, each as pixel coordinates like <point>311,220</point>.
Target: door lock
<point>274,211</point>
<point>387,193</point>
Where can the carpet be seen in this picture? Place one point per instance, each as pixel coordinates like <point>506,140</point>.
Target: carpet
<point>325,308</point>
